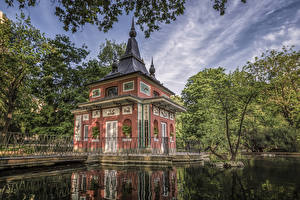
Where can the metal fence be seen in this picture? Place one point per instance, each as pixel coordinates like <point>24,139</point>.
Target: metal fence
<point>21,144</point>
<point>127,145</point>
<point>189,146</point>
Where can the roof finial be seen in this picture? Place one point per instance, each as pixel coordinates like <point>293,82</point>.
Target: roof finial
<point>152,69</point>
<point>132,32</point>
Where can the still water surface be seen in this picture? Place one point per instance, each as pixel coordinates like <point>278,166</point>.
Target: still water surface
<point>268,178</point>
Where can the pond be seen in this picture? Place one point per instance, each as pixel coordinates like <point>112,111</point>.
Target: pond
<point>267,178</point>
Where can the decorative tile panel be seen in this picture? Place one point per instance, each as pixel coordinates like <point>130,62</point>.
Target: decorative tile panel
<point>155,110</point>
<point>164,113</point>
<point>128,86</point>
<point>126,110</point>
<point>96,114</point>
<point>144,88</point>
<point>110,112</point>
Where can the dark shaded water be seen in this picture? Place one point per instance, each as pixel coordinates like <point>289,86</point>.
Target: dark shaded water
<point>268,178</point>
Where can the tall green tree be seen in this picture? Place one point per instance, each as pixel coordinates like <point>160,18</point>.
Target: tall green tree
<point>103,14</point>
<point>280,71</point>
<point>273,124</point>
<point>21,50</point>
<point>57,86</point>
<point>217,104</point>
<point>61,84</point>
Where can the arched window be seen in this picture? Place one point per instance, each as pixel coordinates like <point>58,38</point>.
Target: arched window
<point>111,91</point>
<point>155,93</point>
<point>127,128</point>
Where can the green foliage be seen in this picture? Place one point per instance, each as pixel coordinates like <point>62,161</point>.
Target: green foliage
<point>21,50</point>
<point>279,72</point>
<point>171,134</point>
<point>257,107</point>
<point>103,14</point>
<point>126,130</point>
<point>109,51</point>
<point>95,132</point>
<point>44,79</point>
<point>155,132</point>
<point>273,124</point>
<point>217,104</point>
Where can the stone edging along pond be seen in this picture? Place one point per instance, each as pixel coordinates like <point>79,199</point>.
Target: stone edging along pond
<point>38,161</point>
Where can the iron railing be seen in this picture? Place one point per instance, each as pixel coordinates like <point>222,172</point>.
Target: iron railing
<point>190,146</point>
<point>21,144</point>
<point>127,145</point>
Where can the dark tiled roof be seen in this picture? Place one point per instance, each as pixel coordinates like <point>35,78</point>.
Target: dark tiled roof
<point>131,62</point>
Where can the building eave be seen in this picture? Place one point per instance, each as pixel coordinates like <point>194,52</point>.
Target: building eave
<point>165,102</point>
<point>129,99</point>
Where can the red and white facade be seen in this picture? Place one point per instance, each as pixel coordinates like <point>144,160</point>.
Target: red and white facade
<point>128,97</point>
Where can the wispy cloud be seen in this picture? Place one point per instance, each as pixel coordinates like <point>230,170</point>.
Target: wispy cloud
<point>202,38</point>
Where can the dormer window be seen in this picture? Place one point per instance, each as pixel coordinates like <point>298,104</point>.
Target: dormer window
<point>111,91</point>
<point>96,92</point>
<point>155,94</point>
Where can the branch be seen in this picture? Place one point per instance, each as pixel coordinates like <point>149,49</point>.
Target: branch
<point>242,121</point>
<point>215,153</point>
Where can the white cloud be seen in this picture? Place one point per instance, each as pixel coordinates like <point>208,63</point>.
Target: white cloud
<point>202,38</point>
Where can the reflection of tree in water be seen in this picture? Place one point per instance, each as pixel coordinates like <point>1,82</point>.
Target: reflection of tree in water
<point>261,180</point>
<point>46,187</point>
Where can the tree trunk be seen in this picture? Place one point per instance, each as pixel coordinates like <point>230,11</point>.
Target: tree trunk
<point>8,116</point>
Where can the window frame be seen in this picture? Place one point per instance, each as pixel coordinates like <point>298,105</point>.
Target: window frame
<point>149,87</point>
<point>85,134</point>
<point>155,93</point>
<point>106,91</point>
<point>124,90</point>
<point>95,90</point>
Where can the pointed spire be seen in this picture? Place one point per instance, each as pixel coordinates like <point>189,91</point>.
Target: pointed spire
<point>132,32</point>
<point>152,69</point>
<point>131,60</point>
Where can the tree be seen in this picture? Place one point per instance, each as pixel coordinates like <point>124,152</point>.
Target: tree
<point>21,49</point>
<point>57,86</point>
<point>60,85</point>
<point>273,124</point>
<point>217,104</point>
<point>279,72</point>
<point>104,14</point>
<point>95,69</point>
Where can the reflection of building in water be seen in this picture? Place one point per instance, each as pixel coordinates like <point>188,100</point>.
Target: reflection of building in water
<point>110,184</point>
<point>122,184</point>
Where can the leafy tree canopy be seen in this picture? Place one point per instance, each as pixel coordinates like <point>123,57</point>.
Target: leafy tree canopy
<point>22,48</point>
<point>104,14</point>
<point>217,104</point>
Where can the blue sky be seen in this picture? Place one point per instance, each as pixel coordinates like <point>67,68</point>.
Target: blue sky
<point>199,39</point>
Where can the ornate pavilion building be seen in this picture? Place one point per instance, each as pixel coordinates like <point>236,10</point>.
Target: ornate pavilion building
<point>128,110</point>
